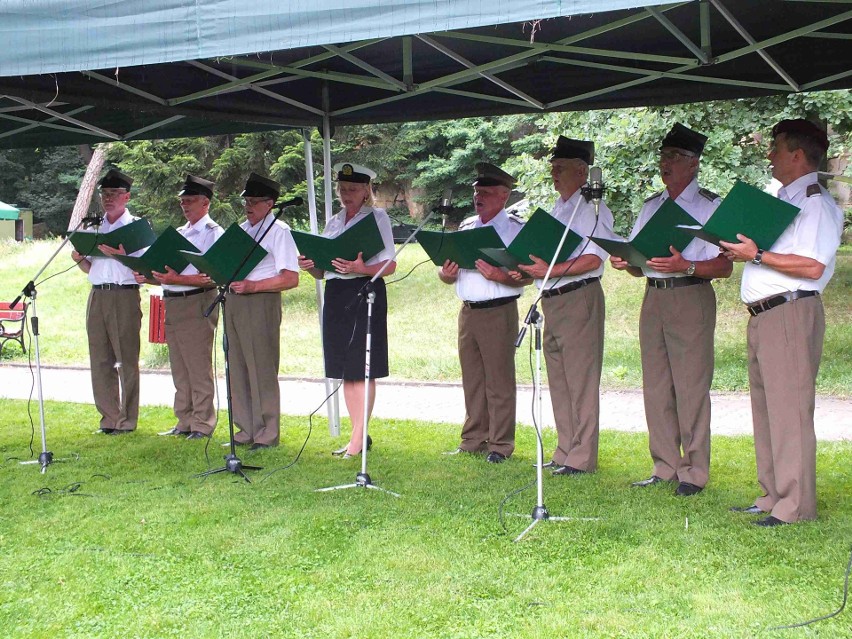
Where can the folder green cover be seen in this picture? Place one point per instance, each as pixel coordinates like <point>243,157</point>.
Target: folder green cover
<point>663,230</point>
<point>363,237</point>
<point>223,258</point>
<point>540,237</point>
<point>461,247</point>
<point>163,252</point>
<point>134,236</point>
<point>749,211</point>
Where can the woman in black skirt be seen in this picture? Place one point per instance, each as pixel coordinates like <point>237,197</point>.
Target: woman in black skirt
<point>344,320</point>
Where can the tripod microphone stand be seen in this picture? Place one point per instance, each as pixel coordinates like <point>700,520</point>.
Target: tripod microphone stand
<point>45,458</point>
<point>362,479</point>
<point>534,318</point>
<point>233,464</point>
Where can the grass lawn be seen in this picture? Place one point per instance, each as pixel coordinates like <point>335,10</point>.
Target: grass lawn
<point>144,549</point>
<point>422,323</point>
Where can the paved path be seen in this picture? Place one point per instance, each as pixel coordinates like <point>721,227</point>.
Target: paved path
<point>444,402</point>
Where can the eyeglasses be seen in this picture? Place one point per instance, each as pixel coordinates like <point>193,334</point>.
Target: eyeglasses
<point>671,156</point>
<point>108,194</point>
<point>251,202</point>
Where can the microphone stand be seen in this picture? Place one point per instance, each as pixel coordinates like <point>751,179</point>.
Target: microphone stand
<point>45,458</point>
<point>233,464</point>
<point>534,318</point>
<point>362,479</point>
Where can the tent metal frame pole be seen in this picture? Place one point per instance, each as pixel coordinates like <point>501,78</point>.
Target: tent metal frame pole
<point>333,402</point>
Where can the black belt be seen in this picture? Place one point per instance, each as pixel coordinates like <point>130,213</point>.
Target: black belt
<point>114,287</point>
<point>777,300</point>
<point>195,291</point>
<point>570,286</point>
<point>497,301</point>
<point>675,282</point>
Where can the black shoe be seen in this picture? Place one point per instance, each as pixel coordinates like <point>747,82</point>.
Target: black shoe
<point>103,431</point>
<point>260,446</point>
<point>653,479</point>
<point>770,521</point>
<point>369,442</point>
<point>197,435</point>
<point>495,458</point>
<point>116,431</point>
<point>748,510</point>
<point>173,432</point>
<point>685,489</point>
<point>568,470</point>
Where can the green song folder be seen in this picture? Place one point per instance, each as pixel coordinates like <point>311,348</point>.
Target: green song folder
<point>540,237</point>
<point>134,236</point>
<point>461,247</point>
<point>165,251</point>
<point>749,211</point>
<point>223,258</point>
<point>363,237</point>
<point>663,230</point>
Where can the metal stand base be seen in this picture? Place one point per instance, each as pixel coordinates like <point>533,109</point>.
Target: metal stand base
<point>233,464</point>
<point>540,513</point>
<point>362,480</point>
<point>45,459</point>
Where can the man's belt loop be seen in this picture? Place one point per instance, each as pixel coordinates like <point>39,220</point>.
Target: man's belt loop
<point>675,282</point>
<point>498,301</point>
<point>777,300</point>
<point>570,286</point>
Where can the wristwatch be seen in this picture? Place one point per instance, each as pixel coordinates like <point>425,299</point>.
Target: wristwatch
<point>690,269</point>
<point>758,257</point>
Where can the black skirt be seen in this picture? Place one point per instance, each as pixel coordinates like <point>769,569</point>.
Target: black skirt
<point>344,330</point>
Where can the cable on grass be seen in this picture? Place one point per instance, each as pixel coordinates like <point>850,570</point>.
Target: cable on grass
<point>507,498</point>
<point>71,489</point>
<point>828,616</point>
<point>215,393</point>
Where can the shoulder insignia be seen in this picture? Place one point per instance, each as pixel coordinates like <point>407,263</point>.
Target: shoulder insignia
<point>212,225</point>
<point>813,189</point>
<point>515,218</point>
<point>468,221</point>
<point>654,197</point>
<point>707,194</point>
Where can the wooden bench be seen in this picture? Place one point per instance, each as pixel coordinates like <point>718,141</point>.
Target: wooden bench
<point>12,324</point>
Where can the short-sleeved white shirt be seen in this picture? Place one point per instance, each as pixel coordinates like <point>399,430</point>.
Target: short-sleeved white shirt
<point>105,270</point>
<point>694,201</point>
<point>337,224</point>
<point>584,225</point>
<point>202,234</point>
<point>471,286</point>
<point>815,233</point>
<point>281,252</point>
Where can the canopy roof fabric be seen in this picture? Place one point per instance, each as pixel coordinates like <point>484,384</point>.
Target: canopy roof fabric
<point>173,67</point>
<point>9,212</point>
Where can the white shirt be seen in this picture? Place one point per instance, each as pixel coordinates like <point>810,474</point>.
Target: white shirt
<point>281,252</point>
<point>337,224</point>
<point>699,207</point>
<point>584,224</point>
<point>105,270</point>
<point>471,286</point>
<point>202,234</point>
<point>814,233</point>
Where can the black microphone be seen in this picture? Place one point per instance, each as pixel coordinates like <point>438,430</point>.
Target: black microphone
<point>92,220</point>
<point>296,201</point>
<point>445,206</point>
<point>596,187</point>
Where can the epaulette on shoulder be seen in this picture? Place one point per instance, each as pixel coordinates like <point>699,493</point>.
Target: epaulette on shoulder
<point>654,197</point>
<point>707,194</point>
<point>515,218</point>
<point>813,189</point>
<point>468,221</point>
<point>212,225</point>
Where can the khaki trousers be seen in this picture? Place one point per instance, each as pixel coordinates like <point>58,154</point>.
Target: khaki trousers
<point>487,357</point>
<point>253,328</point>
<point>573,351</point>
<point>190,338</point>
<point>676,329</point>
<point>113,320</point>
<point>784,353</point>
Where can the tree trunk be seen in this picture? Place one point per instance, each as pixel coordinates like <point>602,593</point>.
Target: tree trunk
<point>87,186</point>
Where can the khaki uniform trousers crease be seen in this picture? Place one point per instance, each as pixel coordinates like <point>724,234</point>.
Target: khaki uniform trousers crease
<point>573,351</point>
<point>113,321</point>
<point>784,353</point>
<point>253,326</point>
<point>487,356</point>
<point>190,338</point>
<point>676,330</point>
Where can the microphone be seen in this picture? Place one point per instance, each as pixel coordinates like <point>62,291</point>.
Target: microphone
<point>596,187</point>
<point>445,206</point>
<point>296,201</point>
<point>92,220</point>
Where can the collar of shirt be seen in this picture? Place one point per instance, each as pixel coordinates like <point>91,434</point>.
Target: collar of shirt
<point>257,230</point>
<point>199,226</point>
<point>688,195</point>
<point>123,219</point>
<point>499,221</point>
<point>363,212</point>
<point>795,188</point>
<point>569,204</point>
